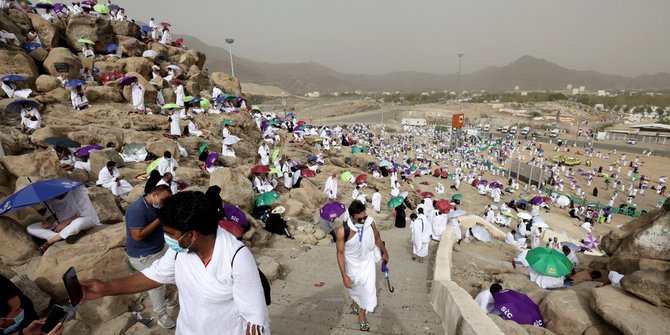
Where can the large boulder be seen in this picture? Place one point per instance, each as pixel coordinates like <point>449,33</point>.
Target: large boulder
<point>48,33</point>
<point>43,164</point>
<point>510,327</point>
<point>197,83</point>
<point>612,240</point>
<point>141,65</point>
<point>226,82</point>
<point>236,188</point>
<point>126,28</point>
<point>648,242</point>
<point>8,25</point>
<point>17,62</point>
<point>650,285</point>
<point>159,146</point>
<point>21,20</point>
<point>62,61</point>
<point>97,29</point>
<point>16,246</point>
<point>46,83</point>
<point>109,66</point>
<point>58,96</point>
<point>629,314</point>
<point>131,46</point>
<point>99,159</point>
<point>105,205</point>
<point>104,94</point>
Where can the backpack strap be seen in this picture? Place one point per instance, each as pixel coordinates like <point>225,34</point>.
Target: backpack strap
<point>235,254</point>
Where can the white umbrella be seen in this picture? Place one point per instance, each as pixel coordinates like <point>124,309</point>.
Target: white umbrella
<point>563,201</point>
<point>458,213</point>
<point>525,216</point>
<point>494,207</point>
<point>540,224</point>
<point>150,54</point>
<point>404,194</point>
<point>481,233</point>
<point>174,67</point>
<point>231,139</point>
<point>268,132</point>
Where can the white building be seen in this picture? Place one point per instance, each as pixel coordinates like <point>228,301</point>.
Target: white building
<point>582,89</point>
<point>413,122</point>
<point>569,87</point>
<point>602,93</point>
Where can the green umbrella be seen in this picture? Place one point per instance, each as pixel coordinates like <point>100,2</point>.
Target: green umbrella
<point>229,96</point>
<point>267,198</point>
<point>188,98</point>
<point>413,168</point>
<point>275,155</point>
<point>153,165</point>
<point>507,213</point>
<point>51,2</point>
<point>395,202</point>
<point>225,122</point>
<point>102,9</point>
<point>275,171</point>
<point>549,261</point>
<point>85,41</point>
<point>171,106</point>
<point>205,104</point>
<point>346,176</point>
<point>356,149</point>
<point>273,122</point>
<point>202,148</point>
<point>457,196</point>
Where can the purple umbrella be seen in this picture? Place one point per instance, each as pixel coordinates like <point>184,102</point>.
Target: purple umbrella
<point>86,151</point>
<point>332,210</point>
<point>211,158</point>
<point>590,241</point>
<point>235,214</point>
<point>125,81</point>
<point>518,307</point>
<point>537,200</point>
<point>297,129</point>
<point>483,182</point>
<point>295,163</point>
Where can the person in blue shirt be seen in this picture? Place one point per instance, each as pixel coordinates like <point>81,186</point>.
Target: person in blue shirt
<point>145,244</point>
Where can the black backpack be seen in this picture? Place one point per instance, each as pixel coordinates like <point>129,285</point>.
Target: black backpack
<point>264,280</point>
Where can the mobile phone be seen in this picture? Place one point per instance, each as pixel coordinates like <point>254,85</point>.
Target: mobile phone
<point>56,315</point>
<point>73,287</point>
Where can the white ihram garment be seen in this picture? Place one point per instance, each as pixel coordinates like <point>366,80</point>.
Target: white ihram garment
<point>359,258</point>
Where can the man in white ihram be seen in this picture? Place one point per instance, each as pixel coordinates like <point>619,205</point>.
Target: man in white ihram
<point>331,187</point>
<point>73,213</point>
<point>357,250</point>
<point>110,178</point>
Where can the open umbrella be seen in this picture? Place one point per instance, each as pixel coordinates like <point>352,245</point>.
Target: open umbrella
<point>85,41</point>
<point>75,83</point>
<point>37,192</point>
<point>549,261</point>
<point>171,106</point>
<point>332,210</point>
<point>260,169</point>
<point>46,6</point>
<point>570,245</point>
<point>202,148</point>
<point>507,213</point>
<point>188,98</point>
<point>17,105</point>
<point>307,173</point>
<point>31,46</point>
<point>443,206</point>
<point>385,163</point>
<point>266,199</point>
<point>590,242</point>
<point>480,233</point>
<point>518,307</point>
<point>232,227</point>
<point>231,139</point>
<point>537,200</point>
<point>165,24</point>
<point>275,155</point>
<point>524,215</point>
<point>13,77</point>
<point>346,176</point>
<point>86,151</point>
<point>563,201</point>
<point>427,194</point>
<point>361,179</point>
<point>205,104</point>
<point>102,9</point>
<point>395,202</point>
<point>235,214</point>
<point>227,122</point>
<point>125,81</point>
<point>404,194</point>
<point>211,158</point>
<point>112,48</point>
<point>62,142</point>
<point>146,28</point>
<point>149,54</point>
<point>174,67</point>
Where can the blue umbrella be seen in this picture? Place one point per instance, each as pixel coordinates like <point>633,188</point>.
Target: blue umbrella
<point>38,192</point>
<point>17,106</point>
<point>13,77</point>
<point>31,46</point>
<point>146,29</point>
<point>62,142</point>
<point>75,82</point>
<point>112,48</point>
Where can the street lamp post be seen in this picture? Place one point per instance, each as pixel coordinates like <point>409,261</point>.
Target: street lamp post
<point>458,83</point>
<point>230,51</point>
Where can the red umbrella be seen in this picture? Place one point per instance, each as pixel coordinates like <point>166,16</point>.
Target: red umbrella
<point>475,182</point>
<point>427,194</point>
<point>232,227</point>
<point>300,123</point>
<point>417,191</point>
<point>409,180</point>
<point>179,42</point>
<point>307,173</point>
<point>417,172</point>
<point>165,24</point>
<point>437,172</point>
<point>546,199</point>
<point>361,179</point>
<point>444,175</point>
<point>443,205</point>
<point>260,169</point>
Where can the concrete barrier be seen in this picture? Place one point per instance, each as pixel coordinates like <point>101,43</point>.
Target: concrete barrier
<point>459,313</point>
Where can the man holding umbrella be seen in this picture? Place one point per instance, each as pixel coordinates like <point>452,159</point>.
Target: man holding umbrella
<point>71,214</point>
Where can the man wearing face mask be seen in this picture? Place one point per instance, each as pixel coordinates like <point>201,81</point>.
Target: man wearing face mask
<point>16,310</point>
<point>219,285</point>
<point>358,245</point>
<point>145,244</point>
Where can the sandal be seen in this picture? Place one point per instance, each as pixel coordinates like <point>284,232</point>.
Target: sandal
<point>353,310</point>
<point>364,326</point>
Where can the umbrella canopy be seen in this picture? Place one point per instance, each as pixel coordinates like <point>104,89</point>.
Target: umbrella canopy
<point>590,242</point>
<point>205,104</point>
<point>112,48</point>
<point>202,148</point>
<point>307,173</point>
<point>227,122</point>
<point>332,210</point>
<point>75,83</point>
<point>211,159</point>
<point>165,24</point>
<point>188,98</point>
<point>37,192</point>
<point>149,54</point>
<point>62,142</point>
<point>266,199</point>
<point>443,206</point>
<point>231,139</point>
<point>518,307</point>
<point>386,163</point>
<point>13,77</point>
<point>275,155</point>
<point>480,233</point>
<point>174,67</point>
<point>549,261</point>
<point>31,46</point>
<point>540,224</point>
<point>85,41</point>
<point>171,106</point>
<point>127,80</point>
<point>361,179</point>
<point>102,9</point>
<point>404,194</point>
<point>50,2</point>
<point>427,194</point>
<point>146,28</point>
<point>458,213</point>
<point>537,200</point>
<point>395,202</point>
<point>17,105</point>
<point>86,151</point>
<point>524,215</point>
<point>345,176</point>
<point>231,227</point>
<point>457,197</point>
<point>235,214</point>
<point>571,245</point>
<point>260,169</point>
<point>46,6</point>
<point>507,213</point>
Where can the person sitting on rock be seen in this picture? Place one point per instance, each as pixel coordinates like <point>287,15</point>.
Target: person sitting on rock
<point>110,178</point>
<point>485,298</point>
<point>276,224</point>
<point>87,51</point>
<point>31,119</point>
<point>168,180</point>
<point>168,164</point>
<point>72,213</point>
<point>78,98</point>
<point>9,38</point>
<point>86,74</point>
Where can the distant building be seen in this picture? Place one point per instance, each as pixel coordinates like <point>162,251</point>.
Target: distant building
<point>599,107</point>
<point>524,93</point>
<point>575,91</point>
<point>313,95</point>
<point>602,93</point>
<point>569,87</point>
<point>413,122</point>
<point>516,88</point>
<point>582,89</point>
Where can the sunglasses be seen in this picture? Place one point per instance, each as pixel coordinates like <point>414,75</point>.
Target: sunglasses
<point>361,220</point>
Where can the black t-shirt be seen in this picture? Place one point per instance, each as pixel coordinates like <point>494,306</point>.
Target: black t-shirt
<point>7,291</point>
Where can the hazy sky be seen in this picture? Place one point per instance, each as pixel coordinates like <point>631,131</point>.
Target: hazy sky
<point>377,36</point>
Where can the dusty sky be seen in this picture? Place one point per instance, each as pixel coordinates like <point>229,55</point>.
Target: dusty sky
<point>377,36</point>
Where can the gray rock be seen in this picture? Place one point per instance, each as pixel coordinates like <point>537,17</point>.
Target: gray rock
<point>235,187</point>
<point>105,204</point>
<point>16,246</point>
<point>39,298</point>
<point>629,314</point>
<point>650,285</point>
